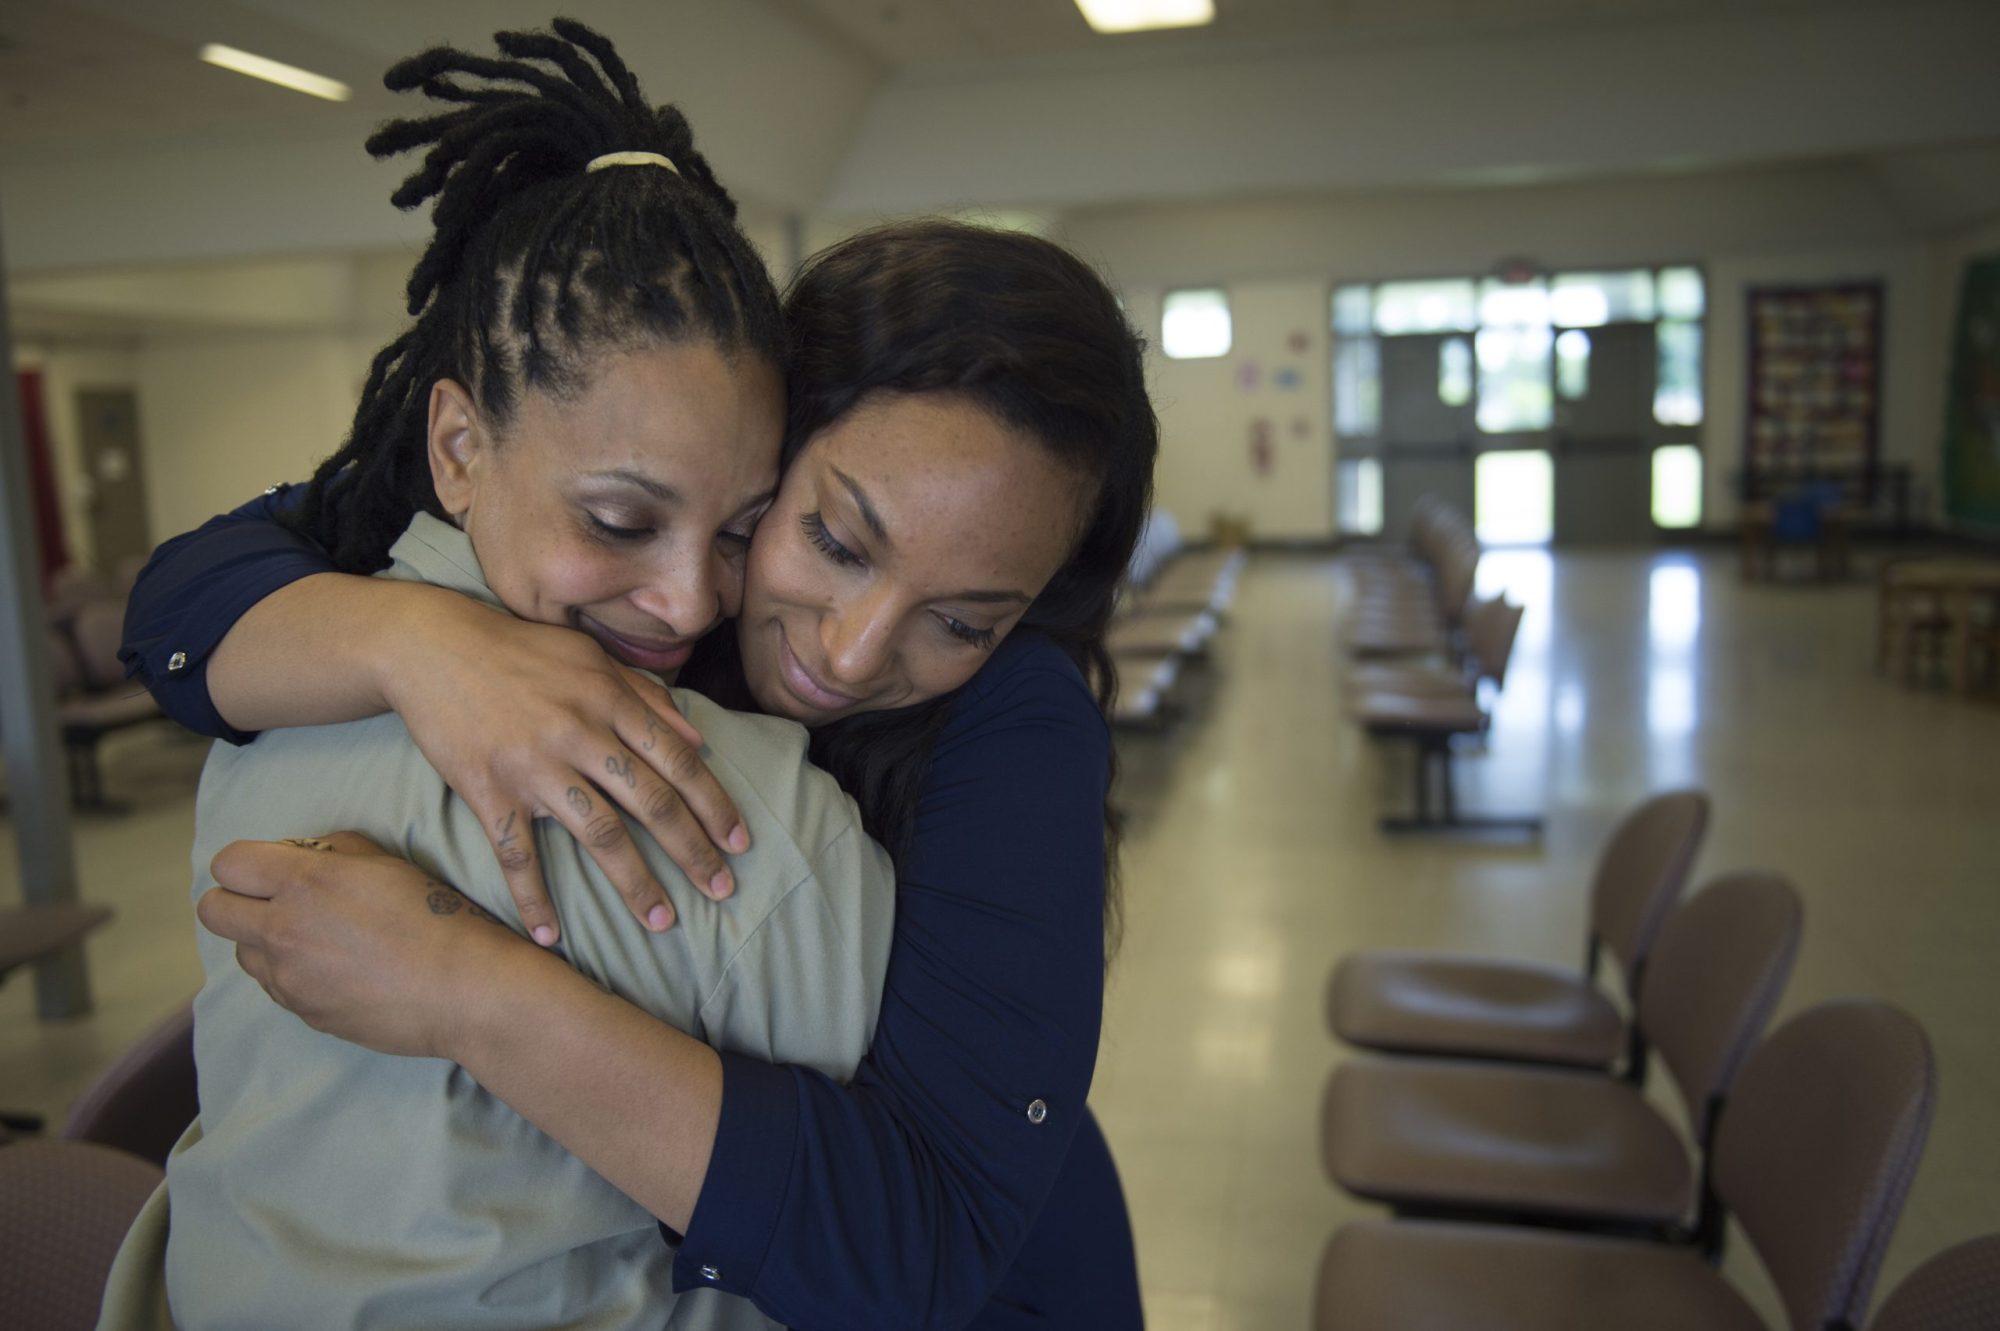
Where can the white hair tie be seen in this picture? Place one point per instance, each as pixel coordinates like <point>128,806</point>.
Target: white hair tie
<point>631,159</point>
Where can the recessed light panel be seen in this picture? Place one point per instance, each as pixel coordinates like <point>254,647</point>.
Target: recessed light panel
<point>273,71</point>
<point>1140,15</point>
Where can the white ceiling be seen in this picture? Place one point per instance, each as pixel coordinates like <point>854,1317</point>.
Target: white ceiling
<point>905,33</point>
<point>118,146</point>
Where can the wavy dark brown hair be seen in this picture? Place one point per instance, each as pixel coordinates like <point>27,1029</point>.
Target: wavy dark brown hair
<point>1028,331</point>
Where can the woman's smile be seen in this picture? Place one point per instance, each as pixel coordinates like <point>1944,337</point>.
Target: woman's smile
<point>659,655</point>
<point>803,683</point>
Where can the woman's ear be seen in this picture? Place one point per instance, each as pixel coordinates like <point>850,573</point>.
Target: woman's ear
<point>454,441</point>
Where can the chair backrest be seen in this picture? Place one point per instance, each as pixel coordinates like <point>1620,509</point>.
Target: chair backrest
<point>1490,630</point>
<point>74,586</point>
<point>1456,570</point>
<point>66,673</point>
<point>146,1100</point>
<point>97,629</point>
<point>1817,1148</point>
<point>1714,980</point>
<point>1957,1290</point>
<point>64,1210</point>
<point>1641,872</point>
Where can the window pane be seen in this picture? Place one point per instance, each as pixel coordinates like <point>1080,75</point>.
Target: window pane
<point>1425,307</point>
<point>1585,300</point>
<point>1677,486</point>
<point>1514,391</point>
<point>1682,295</point>
<point>1573,364</point>
<point>1353,310</point>
<point>1360,506</point>
<point>1357,387</point>
<point>1455,372</point>
<point>1514,498</point>
<point>1677,393</point>
<point>1195,324</point>
<point>1513,303</point>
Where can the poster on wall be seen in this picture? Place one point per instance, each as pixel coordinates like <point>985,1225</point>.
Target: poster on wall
<point>1972,407</point>
<point>1815,380</point>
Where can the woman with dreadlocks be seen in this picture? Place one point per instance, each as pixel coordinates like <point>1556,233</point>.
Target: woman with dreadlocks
<point>596,349</point>
<point>969,451</point>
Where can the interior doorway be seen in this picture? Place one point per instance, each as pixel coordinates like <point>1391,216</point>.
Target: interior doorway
<point>108,437</point>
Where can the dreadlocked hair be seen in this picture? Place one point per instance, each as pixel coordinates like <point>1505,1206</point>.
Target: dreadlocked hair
<point>537,266</point>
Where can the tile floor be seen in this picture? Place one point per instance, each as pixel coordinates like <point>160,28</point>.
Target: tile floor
<point>1253,862</point>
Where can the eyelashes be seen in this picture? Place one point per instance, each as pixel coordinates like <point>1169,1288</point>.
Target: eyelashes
<point>822,539</point>
<point>981,638</point>
<point>615,533</point>
<point>814,526</point>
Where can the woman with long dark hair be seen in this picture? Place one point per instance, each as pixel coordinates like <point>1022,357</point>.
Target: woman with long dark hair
<point>937,375</point>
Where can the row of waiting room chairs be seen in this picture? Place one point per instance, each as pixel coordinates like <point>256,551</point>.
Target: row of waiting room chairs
<point>1501,1115</point>
<point>1175,600</point>
<point>86,617</point>
<point>1425,649</point>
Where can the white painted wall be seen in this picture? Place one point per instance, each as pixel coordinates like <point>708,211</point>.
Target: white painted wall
<point>1210,409</point>
<point>1801,225</point>
<point>225,415</point>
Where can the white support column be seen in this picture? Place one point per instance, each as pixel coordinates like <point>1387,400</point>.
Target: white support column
<point>36,788</point>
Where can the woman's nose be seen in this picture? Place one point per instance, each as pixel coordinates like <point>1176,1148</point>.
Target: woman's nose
<point>690,595</point>
<point>856,636</point>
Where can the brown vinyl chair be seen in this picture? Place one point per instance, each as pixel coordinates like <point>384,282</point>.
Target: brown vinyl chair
<point>1957,1290</point>
<point>146,1100</point>
<point>1490,627</point>
<point>29,934</point>
<point>1814,1155</point>
<point>64,1210</point>
<point>1458,1140</point>
<point>1526,1012</point>
<point>106,702</point>
<point>1432,724</point>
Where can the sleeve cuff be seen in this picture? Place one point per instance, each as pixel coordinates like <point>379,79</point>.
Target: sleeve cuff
<point>748,1174</point>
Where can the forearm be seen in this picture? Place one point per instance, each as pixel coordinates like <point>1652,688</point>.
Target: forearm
<point>316,651</point>
<point>633,1098</point>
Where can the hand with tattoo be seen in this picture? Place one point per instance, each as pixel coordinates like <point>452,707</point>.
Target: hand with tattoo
<point>528,721</point>
<point>358,943</point>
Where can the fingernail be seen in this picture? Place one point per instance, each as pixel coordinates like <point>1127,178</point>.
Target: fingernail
<point>739,839</point>
<point>545,935</point>
<point>721,885</point>
<point>659,919</point>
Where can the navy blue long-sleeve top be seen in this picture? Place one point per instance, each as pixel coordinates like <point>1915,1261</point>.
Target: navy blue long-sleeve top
<point>958,1180</point>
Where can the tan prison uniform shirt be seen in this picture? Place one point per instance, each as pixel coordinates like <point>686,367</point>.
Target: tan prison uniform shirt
<point>328,1186</point>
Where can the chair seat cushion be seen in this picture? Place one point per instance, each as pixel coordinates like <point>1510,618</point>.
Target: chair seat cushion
<point>1426,1277</point>
<point>29,933</point>
<point>107,711</point>
<point>1407,712</point>
<point>1475,1137</point>
<point>1429,681</point>
<point>1475,1007</point>
<point>1153,635</point>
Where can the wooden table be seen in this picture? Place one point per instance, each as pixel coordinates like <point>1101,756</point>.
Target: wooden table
<point>1959,586</point>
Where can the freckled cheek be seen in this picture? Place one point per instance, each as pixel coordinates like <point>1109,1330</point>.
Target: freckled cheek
<point>579,576</point>
<point>783,578</point>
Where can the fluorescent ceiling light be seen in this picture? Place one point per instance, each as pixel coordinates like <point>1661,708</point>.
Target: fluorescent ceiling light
<point>272,71</point>
<point>1139,15</point>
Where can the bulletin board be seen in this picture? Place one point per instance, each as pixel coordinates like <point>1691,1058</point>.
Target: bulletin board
<point>1815,380</point>
<point>1972,407</point>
